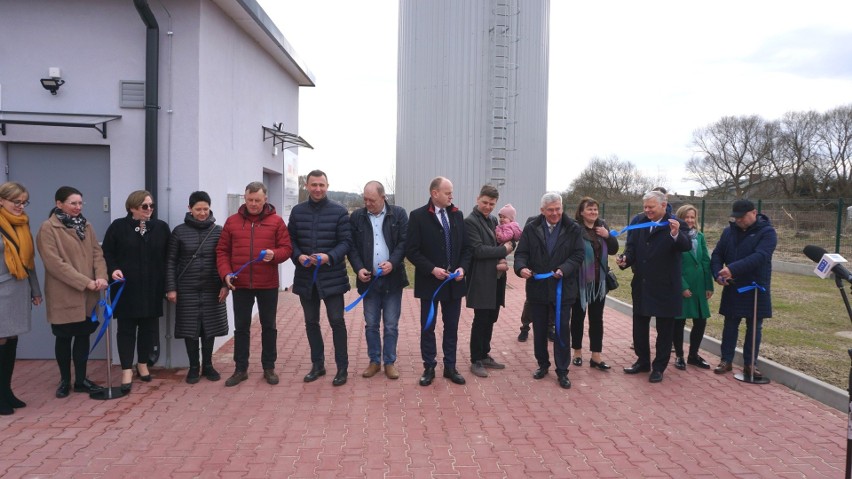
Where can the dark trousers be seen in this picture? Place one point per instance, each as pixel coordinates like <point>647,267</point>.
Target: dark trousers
<point>450,311</point>
<point>206,351</point>
<point>138,332</point>
<point>334,311</point>
<point>595,310</point>
<point>79,351</point>
<point>541,323</point>
<point>642,341</point>
<point>480,333</point>
<point>267,305</point>
<point>526,318</point>
<point>699,325</point>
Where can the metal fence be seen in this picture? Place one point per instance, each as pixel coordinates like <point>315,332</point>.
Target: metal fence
<point>825,223</point>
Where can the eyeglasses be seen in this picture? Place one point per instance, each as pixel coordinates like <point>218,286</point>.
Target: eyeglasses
<point>19,203</point>
<point>147,206</point>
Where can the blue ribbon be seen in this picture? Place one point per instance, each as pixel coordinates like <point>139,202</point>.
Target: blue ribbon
<point>431,318</point>
<point>355,303</point>
<point>750,287</point>
<point>639,225</point>
<point>558,319</point>
<point>108,309</point>
<point>316,271</point>
<point>258,259</point>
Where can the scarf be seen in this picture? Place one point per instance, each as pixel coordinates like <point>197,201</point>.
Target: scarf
<point>693,237</point>
<point>78,223</point>
<point>592,286</point>
<point>19,258</point>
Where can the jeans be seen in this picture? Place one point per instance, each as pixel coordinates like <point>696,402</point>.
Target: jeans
<point>267,306</point>
<point>334,311</point>
<point>378,307</point>
<point>729,339</point>
<point>450,311</point>
<point>642,346</point>
<point>541,322</point>
<point>480,333</point>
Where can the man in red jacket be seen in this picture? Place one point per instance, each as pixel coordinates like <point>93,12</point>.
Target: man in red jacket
<point>253,242</point>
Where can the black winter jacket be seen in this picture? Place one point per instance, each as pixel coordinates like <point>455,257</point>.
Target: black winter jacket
<point>394,230</point>
<point>191,272</point>
<point>320,227</point>
<point>567,256</point>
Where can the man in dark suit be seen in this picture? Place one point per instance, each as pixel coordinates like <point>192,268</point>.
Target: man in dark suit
<point>437,247</point>
<point>552,242</point>
<point>654,253</point>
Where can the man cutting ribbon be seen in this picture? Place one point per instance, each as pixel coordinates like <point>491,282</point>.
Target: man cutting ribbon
<point>437,247</point>
<point>552,242</point>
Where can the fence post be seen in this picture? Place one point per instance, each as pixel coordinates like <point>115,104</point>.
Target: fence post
<point>603,211</point>
<point>839,222</point>
<point>628,213</point>
<point>703,212</point>
<point>759,205</point>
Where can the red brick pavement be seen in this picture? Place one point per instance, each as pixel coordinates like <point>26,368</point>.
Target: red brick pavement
<point>694,424</point>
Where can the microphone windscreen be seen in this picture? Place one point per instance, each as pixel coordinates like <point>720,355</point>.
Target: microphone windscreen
<point>814,252</point>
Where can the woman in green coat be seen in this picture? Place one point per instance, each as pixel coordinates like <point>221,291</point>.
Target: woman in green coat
<point>696,288</point>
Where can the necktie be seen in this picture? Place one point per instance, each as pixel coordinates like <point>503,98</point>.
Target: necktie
<point>447,244</point>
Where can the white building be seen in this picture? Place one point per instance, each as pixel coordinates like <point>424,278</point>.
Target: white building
<point>473,100</point>
<point>172,96</point>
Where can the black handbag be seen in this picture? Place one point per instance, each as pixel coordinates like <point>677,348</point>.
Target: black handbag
<point>611,280</point>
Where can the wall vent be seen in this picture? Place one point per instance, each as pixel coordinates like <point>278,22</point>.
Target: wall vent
<point>131,94</point>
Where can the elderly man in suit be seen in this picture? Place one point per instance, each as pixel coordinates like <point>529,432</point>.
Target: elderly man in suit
<point>655,253</point>
<point>437,247</point>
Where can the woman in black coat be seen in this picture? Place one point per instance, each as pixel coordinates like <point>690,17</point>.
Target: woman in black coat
<point>135,250</point>
<point>193,284</point>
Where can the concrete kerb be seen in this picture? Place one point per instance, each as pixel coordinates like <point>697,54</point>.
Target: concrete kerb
<point>821,391</point>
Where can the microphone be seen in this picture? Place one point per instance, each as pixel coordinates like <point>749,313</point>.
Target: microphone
<point>817,255</point>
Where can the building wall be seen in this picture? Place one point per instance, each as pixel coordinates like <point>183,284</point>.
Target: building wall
<point>217,88</point>
<point>446,96</point>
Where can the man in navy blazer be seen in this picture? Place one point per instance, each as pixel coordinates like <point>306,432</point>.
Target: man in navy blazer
<point>437,247</point>
<point>655,255</point>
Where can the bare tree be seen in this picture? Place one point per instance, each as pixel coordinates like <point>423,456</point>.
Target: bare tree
<point>730,154</point>
<point>795,153</point>
<point>835,139</point>
<point>609,179</point>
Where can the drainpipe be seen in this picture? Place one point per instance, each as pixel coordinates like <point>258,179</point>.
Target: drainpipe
<point>152,60</point>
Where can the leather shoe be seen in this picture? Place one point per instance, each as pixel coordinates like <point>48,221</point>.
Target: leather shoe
<point>270,376</point>
<point>599,365</point>
<point>680,363</point>
<point>453,375</point>
<point>391,371</point>
<point>428,376</point>
<point>193,375</point>
<point>209,372</point>
<point>564,382</point>
<point>723,367</point>
<point>317,370</point>
<point>340,378</point>
<point>146,378</point>
<point>747,372</point>
<point>125,388</point>
<point>540,373</point>
<point>63,390</point>
<point>236,378</point>
<point>490,363</point>
<point>87,387</point>
<point>655,377</point>
<point>577,361</point>
<point>371,370</point>
<point>637,368</point>
<point>523,336</point>
<point>697,361</point>
<point>478,369</point>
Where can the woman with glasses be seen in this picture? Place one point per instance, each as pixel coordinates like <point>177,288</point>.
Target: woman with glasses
<point>135,251</point>
<point>19,289</point>
<point>194,285</point>
<point>74,275</point>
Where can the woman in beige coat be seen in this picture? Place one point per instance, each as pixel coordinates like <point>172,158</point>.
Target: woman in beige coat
<point>75,272</point>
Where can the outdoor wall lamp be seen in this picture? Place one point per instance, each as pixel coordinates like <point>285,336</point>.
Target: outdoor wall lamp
<point>52,84</point>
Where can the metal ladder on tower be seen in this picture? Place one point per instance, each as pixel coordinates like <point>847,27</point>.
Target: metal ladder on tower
<point>503,86</point>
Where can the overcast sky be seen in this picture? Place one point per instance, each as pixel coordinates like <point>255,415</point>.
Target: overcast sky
<point>632,79</point>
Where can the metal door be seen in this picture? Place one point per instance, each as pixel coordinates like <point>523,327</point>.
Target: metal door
<point>42,168</point>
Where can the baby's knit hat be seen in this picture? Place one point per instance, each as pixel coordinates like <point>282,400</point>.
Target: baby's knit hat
<point>508,211</point>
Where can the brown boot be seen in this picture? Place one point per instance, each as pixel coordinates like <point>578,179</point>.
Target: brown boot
<point>371,370</point>
<point>747,372</point>
<point>723,367</point>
